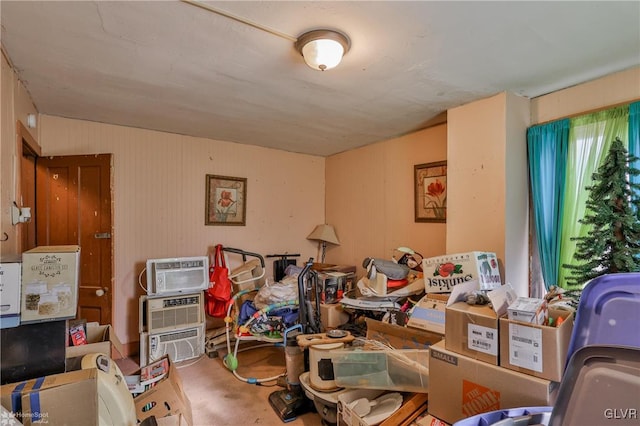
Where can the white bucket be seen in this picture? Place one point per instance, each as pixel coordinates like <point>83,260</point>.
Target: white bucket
<point>321,376</point>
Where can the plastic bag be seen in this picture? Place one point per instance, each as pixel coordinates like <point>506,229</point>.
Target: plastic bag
<point>218,295</point>
<point>281,291</point>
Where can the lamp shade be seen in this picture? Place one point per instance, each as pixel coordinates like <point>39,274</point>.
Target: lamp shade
<point>324,233</point>
<point>322,49</point>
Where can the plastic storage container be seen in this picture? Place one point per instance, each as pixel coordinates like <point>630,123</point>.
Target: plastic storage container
<point>513,416</point>
<point>402,370</point>
<point>608,313</point>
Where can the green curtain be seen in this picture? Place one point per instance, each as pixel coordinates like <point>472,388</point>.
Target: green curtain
<point>590,137</point>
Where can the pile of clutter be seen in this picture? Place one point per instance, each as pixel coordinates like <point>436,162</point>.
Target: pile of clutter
<point>433,327</point>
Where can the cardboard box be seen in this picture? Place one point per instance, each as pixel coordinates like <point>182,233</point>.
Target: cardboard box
<point>427,419</point>
<point>165,398</point>
<point>68,398</point>
<point>10,286</point>
<point>472,330</point>
<point>462,387</point>
<point>429,313</point>
<point>528,309</point>
<point>333,285</point>
<point>400,337</point>
<point>442,273</point>
<point>330,267</point>
<point>100,339</point>
<point>50,283</point>
<point>174,420</point>
<point>332,316</point>
<point>538,350</point>
<point>412,405</point>
<point>346,416</point>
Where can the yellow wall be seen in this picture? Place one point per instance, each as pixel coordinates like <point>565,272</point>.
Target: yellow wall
<point>15,104</point>
<point>488,195</point>
<point>159,190</point>
<point>370,198</point>
<point>618,88</point>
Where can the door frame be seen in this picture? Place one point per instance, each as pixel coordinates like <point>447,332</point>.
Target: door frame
<point>25,142</point>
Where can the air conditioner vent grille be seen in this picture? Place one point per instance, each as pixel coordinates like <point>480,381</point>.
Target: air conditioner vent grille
<point>170,337</point>
<point>178,317</point>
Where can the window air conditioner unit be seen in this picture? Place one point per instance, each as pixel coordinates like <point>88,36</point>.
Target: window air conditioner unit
<point>177,275</point>
<point>166,313</point>
<point>180,345</point>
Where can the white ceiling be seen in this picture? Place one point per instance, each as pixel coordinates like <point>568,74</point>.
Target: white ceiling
<point>175,67</point>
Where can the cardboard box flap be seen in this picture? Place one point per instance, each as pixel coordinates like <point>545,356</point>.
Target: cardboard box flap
<point>104,333</point>
<point>100,338</point>
<point>500,297</point>
<point>400,337</point>
<point>165,397</point>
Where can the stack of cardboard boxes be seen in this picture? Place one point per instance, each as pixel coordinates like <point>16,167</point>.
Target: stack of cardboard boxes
<point>507,353</point>
<point>41,289</point>
<point>494,356</point>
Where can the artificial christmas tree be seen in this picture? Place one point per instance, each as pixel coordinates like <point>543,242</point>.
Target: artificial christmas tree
<point>612,243</point>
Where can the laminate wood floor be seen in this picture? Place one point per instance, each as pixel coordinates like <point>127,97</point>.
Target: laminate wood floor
<point>218,398</point>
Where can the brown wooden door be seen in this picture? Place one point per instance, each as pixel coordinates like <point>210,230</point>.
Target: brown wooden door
<point>73,206</point>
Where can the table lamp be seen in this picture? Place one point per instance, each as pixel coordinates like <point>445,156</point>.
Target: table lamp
<point>324,234</point>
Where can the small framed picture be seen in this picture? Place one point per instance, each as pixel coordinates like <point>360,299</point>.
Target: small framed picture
<point>226,200</point>
<point>430,183</point>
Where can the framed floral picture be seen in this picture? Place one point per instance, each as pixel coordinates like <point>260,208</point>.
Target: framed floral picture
<point>226,200</point>
<point>430,183</point>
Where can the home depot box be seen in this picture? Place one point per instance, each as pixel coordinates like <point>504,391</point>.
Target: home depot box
<point>461,387</point>
<point>534,349</point>
<point>10,282</point>
<point>68,398</point>
<point>400,337</point>
<point>429,313</point>
<point>442,273</point>
<point>165,397</point>
<point>472,330</point>
<point>50,283</point>
<point>100,339</point>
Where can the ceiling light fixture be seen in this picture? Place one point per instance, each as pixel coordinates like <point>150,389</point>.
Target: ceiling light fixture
<point>322,49</point>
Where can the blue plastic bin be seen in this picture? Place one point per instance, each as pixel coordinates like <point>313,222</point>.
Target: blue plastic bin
<point>493,417</point>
